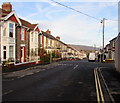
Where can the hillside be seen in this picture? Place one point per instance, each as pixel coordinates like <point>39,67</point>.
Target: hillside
<point>83,48</point>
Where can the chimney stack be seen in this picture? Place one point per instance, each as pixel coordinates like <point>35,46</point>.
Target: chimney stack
<point>58,38</point>
<point>7,7</point>
<point>48,31</point>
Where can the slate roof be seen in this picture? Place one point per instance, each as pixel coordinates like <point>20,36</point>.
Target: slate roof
<point>48,35</point>
<point>28,24</point>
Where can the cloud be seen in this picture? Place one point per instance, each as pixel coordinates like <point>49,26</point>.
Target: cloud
<point>79,29</point>
<point>72,27</point>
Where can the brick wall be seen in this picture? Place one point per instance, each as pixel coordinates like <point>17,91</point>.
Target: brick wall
<point>19,42</point>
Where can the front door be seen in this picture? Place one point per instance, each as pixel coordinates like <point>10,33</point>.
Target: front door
<point>22,54</point>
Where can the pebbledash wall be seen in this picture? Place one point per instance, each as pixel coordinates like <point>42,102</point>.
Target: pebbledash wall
<point>117,47</point>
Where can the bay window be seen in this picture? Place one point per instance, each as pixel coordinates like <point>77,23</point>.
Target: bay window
<point>10,51</point>
<point>11,30</point>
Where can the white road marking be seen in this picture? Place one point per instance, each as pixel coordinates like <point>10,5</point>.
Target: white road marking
<point>21,76</point>
<point>7,92</point>
<point>66,64</point>
<point>115,92</point>
<point>75,67</point>
<point>29,73</point>
<point>8,79</point>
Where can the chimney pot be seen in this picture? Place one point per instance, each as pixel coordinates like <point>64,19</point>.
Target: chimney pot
<point>7,7</point>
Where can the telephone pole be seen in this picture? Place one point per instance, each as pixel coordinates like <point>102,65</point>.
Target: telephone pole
<point>103,22</point>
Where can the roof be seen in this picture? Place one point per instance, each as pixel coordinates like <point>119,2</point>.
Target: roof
<point>28,24</point>
<point>7,15</point>
<point>52,37</point>
<point>113,39</point>
<point>48,35</point>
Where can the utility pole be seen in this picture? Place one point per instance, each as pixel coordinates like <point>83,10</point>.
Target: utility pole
<point>103,22</point>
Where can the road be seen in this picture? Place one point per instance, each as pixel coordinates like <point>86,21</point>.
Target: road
<point>68,81</point>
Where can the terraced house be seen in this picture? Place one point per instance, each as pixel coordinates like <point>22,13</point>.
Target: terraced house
<point>22,42</point>
<point>20,39</point>
<point>9,22</point>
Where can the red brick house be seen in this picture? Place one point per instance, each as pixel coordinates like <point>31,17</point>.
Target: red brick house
<point>27,41</point>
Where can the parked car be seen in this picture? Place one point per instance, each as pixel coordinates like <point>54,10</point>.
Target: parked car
<point>92,57</point>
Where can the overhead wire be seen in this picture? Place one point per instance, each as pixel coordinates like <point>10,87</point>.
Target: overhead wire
<point>79,11</point>
<point>75,10</point>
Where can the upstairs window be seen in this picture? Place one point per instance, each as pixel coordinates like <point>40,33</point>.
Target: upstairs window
<point>36,35</point>
<point>22,34</point>
<point>10,30</point>
<point>4,32</point>
<point>32,36</point>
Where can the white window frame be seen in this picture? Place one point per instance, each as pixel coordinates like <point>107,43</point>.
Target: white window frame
<point>11,52</point>
<point>22,33</point>
<point>11,29</point>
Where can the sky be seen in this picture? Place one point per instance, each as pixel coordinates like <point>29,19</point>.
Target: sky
<point>71,26</point>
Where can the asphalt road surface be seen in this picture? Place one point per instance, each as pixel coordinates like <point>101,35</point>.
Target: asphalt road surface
<point>68,81</point>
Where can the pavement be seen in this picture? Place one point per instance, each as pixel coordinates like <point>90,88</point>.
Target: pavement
<point>27,71</point>
<point>60,81</point>
<point>112,80</point>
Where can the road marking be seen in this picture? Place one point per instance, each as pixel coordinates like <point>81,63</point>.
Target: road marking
<point>75,67</point>
<point>98,97</point>
<point>98,87</point>
<point>66,64</point>
<point>37,71</point>
<point>21,76</point>
<point>29,73</point>
<point>8,79</point>
<point>115,93</point>
<point>7,92</point>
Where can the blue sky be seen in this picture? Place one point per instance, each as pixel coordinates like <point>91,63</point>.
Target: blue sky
<point>72,27</point>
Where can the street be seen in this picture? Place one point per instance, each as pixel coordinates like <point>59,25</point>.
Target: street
<point>66,81</point>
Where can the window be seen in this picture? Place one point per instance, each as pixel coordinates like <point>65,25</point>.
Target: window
<point>36,35</point>
<point>11,52</point>
<point>4,32</point>
<point>22,34</point>
<point>36,51</point>
<point>32,36</point>
<point>10,30</point>
<point>4,52</point>
<point>40,39</point>
<point>4,47</point>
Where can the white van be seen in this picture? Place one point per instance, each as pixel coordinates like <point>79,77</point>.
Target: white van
<point>92,57</point>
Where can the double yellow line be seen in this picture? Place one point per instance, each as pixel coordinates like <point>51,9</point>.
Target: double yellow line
<point>100,96</point>
<point>98,77</point>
